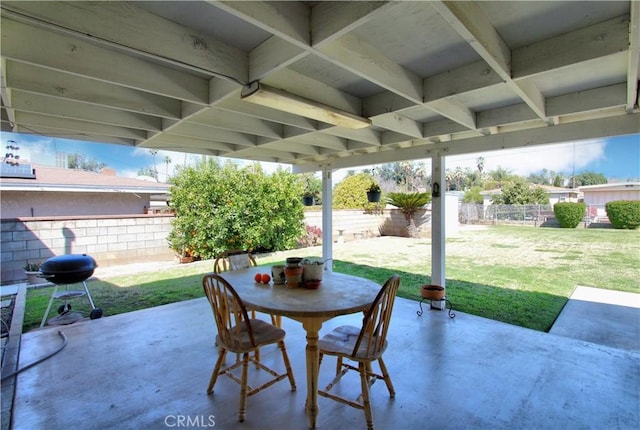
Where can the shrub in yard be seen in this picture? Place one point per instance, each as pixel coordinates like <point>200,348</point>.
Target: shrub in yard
<point>569,214</point>
<point>221,207</point>
<point>624,213</point>
<point>351,193</point>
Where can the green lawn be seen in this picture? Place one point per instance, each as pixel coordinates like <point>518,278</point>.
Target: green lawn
<point>519,275</point>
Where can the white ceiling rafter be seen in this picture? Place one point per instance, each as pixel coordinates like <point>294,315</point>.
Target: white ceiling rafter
<point>169,74</point>
<point>472,24</point>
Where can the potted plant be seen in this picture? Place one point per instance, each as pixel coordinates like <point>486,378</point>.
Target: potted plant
<point>312,273</point>
<point>32,270</point>
<point>308,199</point>
<point>373,192</point>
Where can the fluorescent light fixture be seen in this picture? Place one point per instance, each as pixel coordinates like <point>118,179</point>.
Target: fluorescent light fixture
<point>274,98</point>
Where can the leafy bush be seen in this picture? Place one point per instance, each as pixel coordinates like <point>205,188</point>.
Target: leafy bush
<point>520,192</point>
<point>473,196</point>
<point>226,207</point>
<point>624,213</point>
<point>569,214</point>
<point>351,193</point>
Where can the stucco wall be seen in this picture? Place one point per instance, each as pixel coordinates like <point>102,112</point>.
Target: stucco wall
<point>17,204</point>
<point>593,197</point>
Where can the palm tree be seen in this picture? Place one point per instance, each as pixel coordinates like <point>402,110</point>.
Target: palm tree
<point>154,152</point>
<point>409,204</point>
<point>480,164</point>
<point>458,176</point>
<point>167,160</point>
<point>500,175</point>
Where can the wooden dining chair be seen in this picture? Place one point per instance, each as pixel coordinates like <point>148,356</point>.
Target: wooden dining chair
<point>236,259</point>
<point>240,334</point>
<point>362,345</point>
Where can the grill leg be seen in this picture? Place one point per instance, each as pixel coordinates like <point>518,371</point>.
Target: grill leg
<point>86,291</point>
<point>46,313</point>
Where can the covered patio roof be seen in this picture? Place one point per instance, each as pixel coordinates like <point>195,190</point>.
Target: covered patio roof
<point>424,78</point>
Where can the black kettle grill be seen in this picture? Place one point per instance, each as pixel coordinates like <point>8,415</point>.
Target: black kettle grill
<point>65,270</point>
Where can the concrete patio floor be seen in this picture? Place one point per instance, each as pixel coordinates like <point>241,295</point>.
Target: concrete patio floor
<point>145,369</point>
<point>600,316</point>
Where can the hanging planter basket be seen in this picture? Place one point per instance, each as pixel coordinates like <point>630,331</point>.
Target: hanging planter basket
<point>373,196</point>
<point>308,200</point>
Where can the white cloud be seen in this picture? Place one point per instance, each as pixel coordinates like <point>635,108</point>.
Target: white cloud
<point>563,157</point>
<point>37,150</point>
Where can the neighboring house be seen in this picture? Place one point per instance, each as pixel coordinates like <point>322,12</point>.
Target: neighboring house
<point>597,196</point>
<point>556,194</point>
<point>43,191</point>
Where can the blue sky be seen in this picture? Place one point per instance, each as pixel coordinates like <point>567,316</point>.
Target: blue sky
<point>617,158</point>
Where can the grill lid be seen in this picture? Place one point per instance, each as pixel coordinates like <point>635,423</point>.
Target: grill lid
<point>67,269</point>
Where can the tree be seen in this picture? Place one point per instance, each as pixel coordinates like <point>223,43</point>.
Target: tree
<point>499,177</point>
<point>480,165</point>
<point>409,204</point>
<point>472,178</point>
<point>148,171</point>
<point>351,193</point>
<point>558,180</point>
<point>588,178</point>
<point>167,161</point>
<point>519,192</point>
<point>455,179</point>
<point>312,185</point>
<point>154,152</point>
<point>77,161</point>
<point>473,196</point>
<point>227,207</point>
<point>407,175</point>
<point>540,178</point>
<point>547,177</point>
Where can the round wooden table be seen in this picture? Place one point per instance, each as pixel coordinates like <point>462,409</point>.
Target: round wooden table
<point>339,294</point>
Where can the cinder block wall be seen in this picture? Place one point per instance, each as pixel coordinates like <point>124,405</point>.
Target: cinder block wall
<point>110,240</point>
<point>114,240</point>
<point>358,224</point>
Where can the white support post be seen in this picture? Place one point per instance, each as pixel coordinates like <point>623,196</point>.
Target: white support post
<point>327,221</point>
<point>438,230</point>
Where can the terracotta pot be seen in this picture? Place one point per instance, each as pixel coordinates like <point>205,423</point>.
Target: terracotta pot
<point>312,285</point>
<point>293,261</point>
<point>293,276</point>
<point>432,292</point>
<point>33,278</point>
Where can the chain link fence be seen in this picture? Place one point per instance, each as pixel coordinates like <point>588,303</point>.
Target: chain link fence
<point>471,213</point>
<point>505,214</point>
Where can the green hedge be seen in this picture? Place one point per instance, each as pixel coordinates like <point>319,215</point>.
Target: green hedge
<point>624,213</point>
<point>569,214</point>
